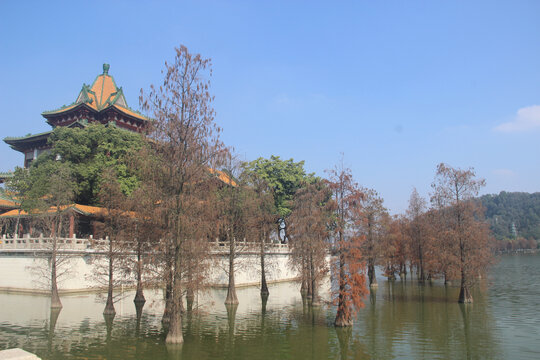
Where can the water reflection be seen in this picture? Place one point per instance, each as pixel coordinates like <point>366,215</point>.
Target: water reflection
<point>53,318</point>
<point>401,319</point>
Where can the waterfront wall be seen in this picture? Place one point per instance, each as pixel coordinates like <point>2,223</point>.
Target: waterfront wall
<point>25,264</point>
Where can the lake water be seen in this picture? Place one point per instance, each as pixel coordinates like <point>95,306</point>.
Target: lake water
<point>401,320</point>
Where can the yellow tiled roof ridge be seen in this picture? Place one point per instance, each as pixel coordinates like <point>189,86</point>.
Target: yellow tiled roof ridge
<point>102,94</point>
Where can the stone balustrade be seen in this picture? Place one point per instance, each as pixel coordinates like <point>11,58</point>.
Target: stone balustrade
<point>89,244</point>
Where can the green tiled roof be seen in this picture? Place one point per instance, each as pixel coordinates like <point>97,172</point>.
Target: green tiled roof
<point>26,137</point>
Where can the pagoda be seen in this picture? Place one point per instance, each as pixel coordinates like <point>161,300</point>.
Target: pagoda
<point>102,102</point>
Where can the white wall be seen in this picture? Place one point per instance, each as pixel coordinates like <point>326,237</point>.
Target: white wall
<point>26,273</point>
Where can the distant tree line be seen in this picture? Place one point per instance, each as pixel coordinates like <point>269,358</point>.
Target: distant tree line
<point>514,218</point>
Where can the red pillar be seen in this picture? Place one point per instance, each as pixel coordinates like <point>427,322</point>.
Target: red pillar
<point>71,225</point>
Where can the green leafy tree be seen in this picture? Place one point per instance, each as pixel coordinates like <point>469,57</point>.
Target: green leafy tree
<point>88,151</point>
<point>284,177</point>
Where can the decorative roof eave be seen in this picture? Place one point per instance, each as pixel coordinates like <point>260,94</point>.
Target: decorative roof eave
<point>79,209</point>
<point>3,177</point>
<point>10,139</point>
<point>6,201</point>
<point>6,174</point>
<point>66,109</point>
<point>85,210</point>
<point>129,112</point>
<point>21,143</point>
<point>50,115</point>
<point>8,204</point>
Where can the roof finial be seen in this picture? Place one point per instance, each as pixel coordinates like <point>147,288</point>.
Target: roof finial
<point>106,69</point>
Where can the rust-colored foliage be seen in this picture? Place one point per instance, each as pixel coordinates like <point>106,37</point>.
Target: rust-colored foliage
<point>394,254</point>
<point>309,233</point>
<point>372,223</point>
<point>238,218</point>
<point>349,269</point>
<point>263,218</point>
<point>185,143</point>
<point>463,234</point>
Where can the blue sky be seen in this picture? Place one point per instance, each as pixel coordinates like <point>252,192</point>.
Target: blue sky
<point>397,86</point>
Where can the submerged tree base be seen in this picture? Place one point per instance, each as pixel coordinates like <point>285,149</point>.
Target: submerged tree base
<point>231,298</point>
<point>341,322</point>
<point>174,339</point>
<point>465,296</point>
<point>56,304</point>
<point>231,301</point>
<point>109,310</point>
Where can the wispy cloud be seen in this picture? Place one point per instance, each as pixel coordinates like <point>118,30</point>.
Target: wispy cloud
<point>527,118</point>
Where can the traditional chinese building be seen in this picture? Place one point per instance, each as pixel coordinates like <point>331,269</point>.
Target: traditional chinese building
<point>101,102</point>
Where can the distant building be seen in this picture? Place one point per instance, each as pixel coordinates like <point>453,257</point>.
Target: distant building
<point>102,102</point>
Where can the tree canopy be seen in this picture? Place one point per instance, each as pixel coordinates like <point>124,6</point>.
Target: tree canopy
<point>284,177</point>
<point>87,152</point>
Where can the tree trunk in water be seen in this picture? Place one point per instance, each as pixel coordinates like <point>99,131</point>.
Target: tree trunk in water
<point>139,295</point>
<point>343,317</point>
<point>165,320</point>
<point>371,276</point>
<point>303,287</point>
<point>55,298</point>
<point>314,297</point>
<point>264,285</point>
<point>307,275</point>
<point>231,298</point>
<point>109,308</point>
<point>190,298</point>
<point>174,335</point>
<point>421,275</point>
<point>465,295</point>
